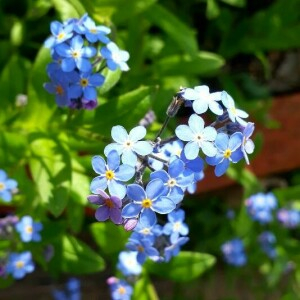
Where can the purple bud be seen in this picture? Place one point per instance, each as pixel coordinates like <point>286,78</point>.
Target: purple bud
<point>129,224</point>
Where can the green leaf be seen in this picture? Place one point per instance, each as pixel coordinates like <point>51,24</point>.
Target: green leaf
<point>129,108</point>
<point>109,237</point>
<point>78,258</point>
<point>144,289</point>
<point>204,63</point>
<point>182,34</point>
<point>69,8</point>
<point>212,9</point>
<point>111,79</point>
<point>237,3</point>
<point>184,267</point>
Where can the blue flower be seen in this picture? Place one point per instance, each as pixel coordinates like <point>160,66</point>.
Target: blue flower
<point>112,175</point>
<point>289,218</point>
<point>29,230</point>
<point>235,115</point>
<point>267,240</point>
<point>146,228</point>
<point>76,55</point>
<point>143,246</point>
<point>176,227</point>
<point>115,57</point>
<point>19,264</point>
<point>95,33</point>
<point>247,144</point>
<point>175,180</point>
<point>85,85</point>
<point>128,263</point>
<point>174,248</point>
<point>129,145</point>
<point>233,252</point>
<point>71,291</point>
<point>60,33</point>
<point>197,137</point>
<point>7,186</point>
<point>203,99</point>
<point>260,206</point>
<point>119,289</point>
<point>228,151</point>
<point>147,201</point>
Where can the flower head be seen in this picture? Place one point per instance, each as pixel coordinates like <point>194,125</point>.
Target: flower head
<point>7,186</point>
<point>119,289</point>
<point>19,264</point>
<point>29,230</point>
<point>233,252</point>
<point>128,263</point>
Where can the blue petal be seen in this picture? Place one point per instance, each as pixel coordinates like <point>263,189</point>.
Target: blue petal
<point>137,133</point>
<point>176,167</point>
<point>11,184</point>
<point>90,93</point>
<point>209,149</point>
<point>75,91</point>
<point>216,108</point>
<point>131,210</point>
<point>125,172</point>
<point>154,188</point>
<point>98,183</point>
<point>221,141</point>
<point>190,94</point>
<point>96,79</point>
<point>222,167</point>
<point>163,205</point>
<point>83,64</point>
<point>236,156</point>
<point>142,148</point>
<point>235,141</point>
<point>129,158</point>
<point>191,150</point>
<point>113,160</point>
<point>98,164</point>
<point>149,215</point>
<point>209,133</point>
<point>77,42</point>
<point>136,193</point>
<point>63,50</point>
<point>184,133</point>
<point>119,134</point>
<point>113,146</point>
<point>161,174</point>
<point>200,106</point>
<point>116,188</point>
<point>196,123</point>
<point>68,64</point>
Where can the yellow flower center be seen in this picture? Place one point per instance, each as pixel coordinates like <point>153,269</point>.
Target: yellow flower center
<point>109,203</point>
<point>128,144</point>
<point>93,30</point>
<point>61,36</point>
<point>140,248</point>
<point>176,226</point>
<point>121,290</point>
<point>84,82</point>
<point>109,174</point>
<point>146,203</point>
<point>75,54</point>
<point>2,186</point>
<point>171,182</point>
<point>146,231</point>
<point>59,90</point>
<point>19,264</point>
<point>28,229</point>
<point>227,153</point>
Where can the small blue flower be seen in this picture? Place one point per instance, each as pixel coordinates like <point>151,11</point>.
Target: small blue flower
<point>94,33</point>
<point>128,263</point>
<point>247,144</point>
<point>146,228</point>
<point>289,218</point>
<point>29,230</point>
<point>71,291</point>
<point>143,246</point>
<point>112,175</point>
<point>197,137</point>
<point>203,99</point>
<point>115,57</point>
<point>174,248</point>
<point>129,145</point>
<point>7,186</point>
<point>235,115</point>
<point>85,86</point>
<point>60,33</point>
<point>267,240</point>
<point>228,151</point>
<point>76,55</point>
<point>19,264</point>
<point>147,201</point>
<point>233,252</point>
<point>175,180</point>
<point>176,227</point>
<point>119,289</point>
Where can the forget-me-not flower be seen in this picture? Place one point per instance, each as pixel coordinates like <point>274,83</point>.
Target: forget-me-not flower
<point>129,145</point>
<point>235,115</point>
<point>60,33</point>
<point>111,175</point>
<point>110,207</point>
<point>228,151</point>
<point>267,241</point>
<point>128,263</point>
<point>234,253</point>
<point>289,218</point>
<point>174,248</point>
<point>197,136</point>
<point>176,227</point>
<point>147,201</point>
<point>76,55</point>
<point>119,289</point>
<point>29,230</point>
<point>7,186</point>
<point>115,58</point>
<point>203,99</point>
<point>247,144</point>
<point>19,264</point>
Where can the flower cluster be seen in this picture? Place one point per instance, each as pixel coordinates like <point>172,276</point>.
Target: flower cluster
<point>18,264</point>
<point>289,218</point>
<point>8,187</point>
<point>267,241</point>
<point>70,292</point>
<point>80,50</point>
<point>260,207</point>
<point>128,195</point>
